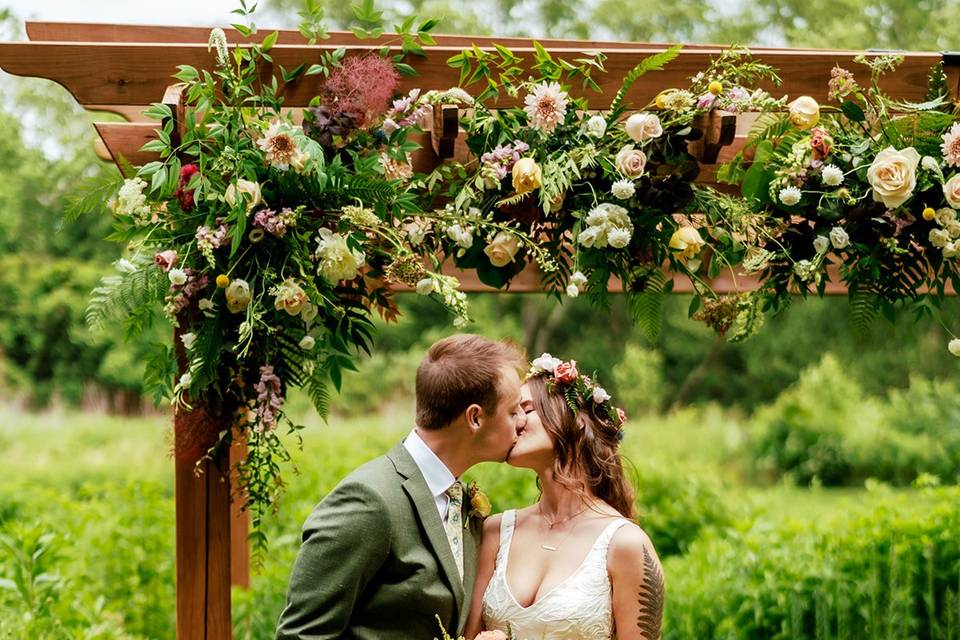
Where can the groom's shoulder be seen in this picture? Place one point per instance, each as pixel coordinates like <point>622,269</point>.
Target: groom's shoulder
<point>379,474</point>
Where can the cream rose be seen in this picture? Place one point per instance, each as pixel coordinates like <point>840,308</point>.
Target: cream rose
<point>643,126</point>
<point>951,189</point>
<point>247,189</point>
<point>893,175</point>
<point>502,249</point>
<point>526,175</point>
<point>291,297</point>
<point>631,162</point>
<point>804,113</point>
<point>238,296</point>
<point>686,241</point>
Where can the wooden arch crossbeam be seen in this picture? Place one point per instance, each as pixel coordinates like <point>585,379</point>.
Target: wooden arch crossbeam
<point>124,68</point>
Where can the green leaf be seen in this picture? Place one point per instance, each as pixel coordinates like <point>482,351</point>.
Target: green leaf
<point>154,145</point>
<point>158,180</point>
<point>159,111</point>
<point>756,183</point>
<point>405,69</point>
<point>656,62</point>
<point>853,111</point>
<point>270,40</point>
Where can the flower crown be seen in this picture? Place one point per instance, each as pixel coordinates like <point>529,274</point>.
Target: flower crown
<point>577,389</point>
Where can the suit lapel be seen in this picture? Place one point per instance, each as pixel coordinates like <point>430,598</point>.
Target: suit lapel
<point>426,509</point>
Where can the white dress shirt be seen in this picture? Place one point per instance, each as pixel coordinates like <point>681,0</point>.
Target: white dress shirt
<point>438,476</point>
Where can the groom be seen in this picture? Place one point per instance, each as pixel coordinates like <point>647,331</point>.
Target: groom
<point>394,544</point>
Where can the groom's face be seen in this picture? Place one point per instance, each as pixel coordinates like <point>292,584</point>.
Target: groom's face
<point>499,430</point>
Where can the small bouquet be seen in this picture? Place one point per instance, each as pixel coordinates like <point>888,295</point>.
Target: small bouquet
<point>483,635</point>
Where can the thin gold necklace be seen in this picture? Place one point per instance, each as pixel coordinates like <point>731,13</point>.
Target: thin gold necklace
<point>549,547</point>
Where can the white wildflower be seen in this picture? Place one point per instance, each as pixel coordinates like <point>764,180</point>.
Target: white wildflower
<point>623,189</point>
<point>832,175</point>
<point>790,196</point>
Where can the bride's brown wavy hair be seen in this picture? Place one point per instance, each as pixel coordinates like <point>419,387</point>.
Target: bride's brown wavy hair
<point>585,445</point>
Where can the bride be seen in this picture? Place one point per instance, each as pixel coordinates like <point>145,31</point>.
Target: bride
<point>574,565</point>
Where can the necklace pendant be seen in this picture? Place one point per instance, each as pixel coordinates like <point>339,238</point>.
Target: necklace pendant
<point>548,547</point>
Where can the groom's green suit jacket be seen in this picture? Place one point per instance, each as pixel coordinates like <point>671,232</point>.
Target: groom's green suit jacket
<point>375,563</point>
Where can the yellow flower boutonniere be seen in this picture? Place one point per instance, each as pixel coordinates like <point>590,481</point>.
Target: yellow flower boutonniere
<point>480,506</point>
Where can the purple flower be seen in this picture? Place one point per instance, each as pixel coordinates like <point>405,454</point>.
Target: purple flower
<point>269,398</point>
<point>706,101</point>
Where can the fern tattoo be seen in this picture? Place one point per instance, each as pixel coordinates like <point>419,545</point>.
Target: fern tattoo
<point>650,619</point>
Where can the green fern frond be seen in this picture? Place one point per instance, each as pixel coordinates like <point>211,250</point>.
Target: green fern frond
<point>647,306</point>
<point>656,62</point>
<point>92,197</point>
<point>864,306</point>
<point>119,296</point>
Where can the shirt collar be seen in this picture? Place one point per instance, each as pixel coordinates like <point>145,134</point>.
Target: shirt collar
<point>438,476</point>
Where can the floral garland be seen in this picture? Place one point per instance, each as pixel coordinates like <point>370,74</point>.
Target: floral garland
<point>869,186</point>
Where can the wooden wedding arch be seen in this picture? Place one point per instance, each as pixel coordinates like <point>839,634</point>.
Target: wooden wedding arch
<point>124,68</point>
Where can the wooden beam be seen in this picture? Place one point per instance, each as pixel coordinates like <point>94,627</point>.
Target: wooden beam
<point>137,74</point>
<point>44,31</point>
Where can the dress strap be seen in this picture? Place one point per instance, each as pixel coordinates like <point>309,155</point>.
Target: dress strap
<point>603,542</point>
<point>507,523</point>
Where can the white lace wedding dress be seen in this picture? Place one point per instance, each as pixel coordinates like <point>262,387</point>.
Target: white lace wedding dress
<point>576,609</point>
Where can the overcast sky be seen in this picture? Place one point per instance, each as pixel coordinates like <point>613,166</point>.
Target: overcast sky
<point>181,12</point>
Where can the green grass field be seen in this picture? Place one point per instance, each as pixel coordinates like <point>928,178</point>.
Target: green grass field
<point>86,511</point>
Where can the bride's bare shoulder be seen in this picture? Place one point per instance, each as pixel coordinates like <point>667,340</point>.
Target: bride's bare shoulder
<point>631,543</point>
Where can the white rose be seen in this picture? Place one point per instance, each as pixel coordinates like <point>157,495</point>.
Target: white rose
<point>946,215</point>
<point>188,340</point>
<point>951,190</point>
<point>546,362</point>
<point>618,238</point>
<point>426,286</point>
<point>832,175</point>
<point>641,127</point>
<point>177,277</point>
<point>502,249</point>
<point>839,238</point>
<point>952,250</point>
<point>579,279</point>
<point>821,244</point>
<point>463,237</point>
<point>307,343</point>
<point>623,189</point>
<point>597,126</point>
<point>247,189</point>
<point>600,395</point>
<point>954,347</point>
<point>572,290</point>
<point>804,112</point>
<point>893,175</point>
<point>596,216</point>
<point>939,238</point>
<point>589,236</point>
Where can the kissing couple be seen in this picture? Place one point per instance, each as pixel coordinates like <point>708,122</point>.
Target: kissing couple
<point>401,546</point>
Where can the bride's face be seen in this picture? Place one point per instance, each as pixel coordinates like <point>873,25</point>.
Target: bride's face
<point>534,448</point>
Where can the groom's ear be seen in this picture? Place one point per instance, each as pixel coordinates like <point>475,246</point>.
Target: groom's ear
<point>473,414</point>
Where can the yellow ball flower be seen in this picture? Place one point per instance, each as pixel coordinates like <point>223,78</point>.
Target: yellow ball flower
<point>223,281</point>
<point>716,87</point>
<point>929,213</point>
<point>661,99</point>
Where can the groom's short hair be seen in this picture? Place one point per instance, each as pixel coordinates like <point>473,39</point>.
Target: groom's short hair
<point>461,370</point>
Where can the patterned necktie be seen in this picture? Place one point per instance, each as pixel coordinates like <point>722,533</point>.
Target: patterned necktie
<point>453,523</point>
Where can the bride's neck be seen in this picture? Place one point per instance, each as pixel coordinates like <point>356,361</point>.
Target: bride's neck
<point>559,501</point>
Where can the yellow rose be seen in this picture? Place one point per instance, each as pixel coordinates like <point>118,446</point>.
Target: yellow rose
<point>804,113</point>
<point>480,503</point>
<point>502,249</point>
<point>893,176</point>
<point>246,189</point>
<point>238,296</point>
<point>686,241</point>
<point>526,175</point>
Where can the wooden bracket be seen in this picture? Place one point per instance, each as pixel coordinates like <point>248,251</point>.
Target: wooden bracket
<point>446,128</point>
<point>719,130</point>
<point>175,98</point>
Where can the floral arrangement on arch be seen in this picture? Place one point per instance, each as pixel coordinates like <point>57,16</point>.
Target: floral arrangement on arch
<point>270,237</point>
<point>867,185</point>
<point>607,193</point>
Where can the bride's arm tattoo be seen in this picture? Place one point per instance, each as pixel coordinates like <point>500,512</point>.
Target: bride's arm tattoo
<point>650,619</point>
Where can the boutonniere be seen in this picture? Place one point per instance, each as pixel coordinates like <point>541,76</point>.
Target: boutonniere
<point>480,506</point>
